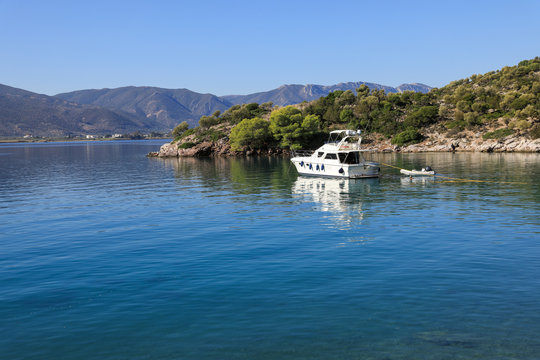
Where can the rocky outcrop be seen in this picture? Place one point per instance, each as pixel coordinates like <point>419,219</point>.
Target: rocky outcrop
<point>203,149</point>
<point>218,148</point>
<point>435,143</point>
<point>468,142</point>
<point>477,144</point>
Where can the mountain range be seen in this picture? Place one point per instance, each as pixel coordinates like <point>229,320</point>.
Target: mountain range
<point>295,94</point>
<point>145,109</point>
<point>24,112</point>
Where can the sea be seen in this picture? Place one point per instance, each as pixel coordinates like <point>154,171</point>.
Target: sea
<point>108,254</point>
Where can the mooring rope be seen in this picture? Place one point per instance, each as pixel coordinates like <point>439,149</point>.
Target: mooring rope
<point>460,179</point>
<point>392,166</point>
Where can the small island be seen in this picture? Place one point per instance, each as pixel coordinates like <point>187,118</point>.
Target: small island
<point>495,112</point>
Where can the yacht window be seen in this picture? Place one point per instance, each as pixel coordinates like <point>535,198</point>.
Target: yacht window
<point>330,156</point>
<point>352,157</point>
<point>320,153</point>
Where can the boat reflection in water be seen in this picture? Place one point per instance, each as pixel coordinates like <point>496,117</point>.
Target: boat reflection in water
<point>417,180</point>
<point>340,200</point>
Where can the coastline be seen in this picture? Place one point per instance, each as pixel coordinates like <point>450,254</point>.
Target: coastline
<point>60,140</point>
<point>434,143</point>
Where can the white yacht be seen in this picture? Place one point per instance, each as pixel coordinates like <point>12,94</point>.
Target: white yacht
<point>341,157</point>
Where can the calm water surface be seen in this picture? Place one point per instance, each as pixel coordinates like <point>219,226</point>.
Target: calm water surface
<point>107,254</point>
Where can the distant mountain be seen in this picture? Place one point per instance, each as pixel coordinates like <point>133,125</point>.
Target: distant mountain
<point>162,109</point>
<point>157,108</point>
<point>128,109</point>
<point>417,87</point>
<point>24,112</point>
<point>294,94</point>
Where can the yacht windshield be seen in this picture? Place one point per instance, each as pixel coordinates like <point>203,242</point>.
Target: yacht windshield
<point>349,136</point>
<point>336,137</point>
<point>352,157</point>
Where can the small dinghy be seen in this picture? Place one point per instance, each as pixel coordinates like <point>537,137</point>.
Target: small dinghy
<point>427,171</point>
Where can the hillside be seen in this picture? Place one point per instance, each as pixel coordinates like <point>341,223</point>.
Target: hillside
<point>162,109</point>
<point>129,109</point>
<point>496,111</point>
<point>23,112</point>
<point>156,108</point>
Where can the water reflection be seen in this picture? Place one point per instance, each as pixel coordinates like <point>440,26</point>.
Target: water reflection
<point>483,166</point>
<point>245,176</point>
<point>260,179</point>
<point>508,175</point>
<point>340,200</point>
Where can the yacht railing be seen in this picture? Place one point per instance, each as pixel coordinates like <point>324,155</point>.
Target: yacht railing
<point>302,153</point>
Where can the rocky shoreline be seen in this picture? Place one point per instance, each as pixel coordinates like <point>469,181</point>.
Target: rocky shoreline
<point>470,143</point>
<point>435,143</point>
<point>208,148</point>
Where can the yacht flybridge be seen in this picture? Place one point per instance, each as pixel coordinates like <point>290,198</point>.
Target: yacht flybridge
<point>340,156</point>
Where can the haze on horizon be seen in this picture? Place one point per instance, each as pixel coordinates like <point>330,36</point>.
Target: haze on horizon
<point>241,47</point>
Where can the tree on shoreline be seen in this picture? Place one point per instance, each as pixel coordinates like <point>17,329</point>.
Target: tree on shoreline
<point>253,133</point>
<point>180,129</point>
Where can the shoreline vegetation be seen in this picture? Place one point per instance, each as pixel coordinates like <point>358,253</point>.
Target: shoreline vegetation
<point>495,112</point>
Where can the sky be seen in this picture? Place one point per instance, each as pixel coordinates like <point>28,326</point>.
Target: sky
<point>245,46</point>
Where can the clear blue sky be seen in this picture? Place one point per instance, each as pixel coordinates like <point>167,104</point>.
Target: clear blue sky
<point>240,47</point>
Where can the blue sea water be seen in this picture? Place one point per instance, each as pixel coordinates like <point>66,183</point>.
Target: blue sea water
<point>107,254</point>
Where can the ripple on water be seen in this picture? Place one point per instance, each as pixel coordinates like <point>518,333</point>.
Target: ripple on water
<point>106,253</point>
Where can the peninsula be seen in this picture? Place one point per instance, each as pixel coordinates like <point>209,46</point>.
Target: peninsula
<point>495,112</point>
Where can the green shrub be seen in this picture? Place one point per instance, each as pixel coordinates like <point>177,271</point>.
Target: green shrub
<point>519,103</point>
<point>254,133</point>
<point>491,116</point>
<point>497,134</point>
<point>346,115</point>
<point>210,135</point>
<point>459,116</point>
<point>423,116</point>
<point>407,137</point>
<point>294,130</point>
<point>285,126</point>
<point>186,145</point>
<point>187,133</point>
<point>480,107</point>
<point>521,124</point>
<point>529,111</point>
<point>208,121</point>
<point>471,118</point>
<point>180,129</point>
<point>463,105</point>
<point>535,131</point>
<point>237,113</point>
<point>459,125</point>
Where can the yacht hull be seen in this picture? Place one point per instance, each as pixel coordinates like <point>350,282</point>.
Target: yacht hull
<point>313,168</point>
